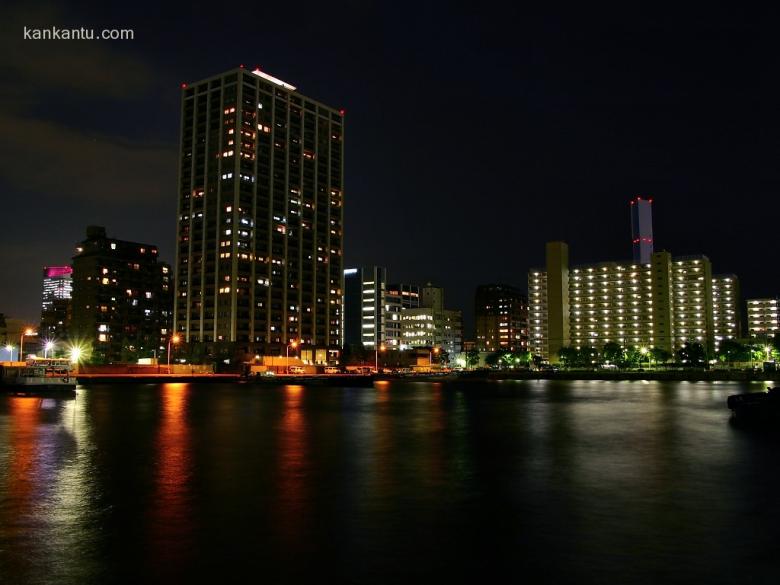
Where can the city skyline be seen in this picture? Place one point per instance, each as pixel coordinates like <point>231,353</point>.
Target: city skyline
<point>430,193</point>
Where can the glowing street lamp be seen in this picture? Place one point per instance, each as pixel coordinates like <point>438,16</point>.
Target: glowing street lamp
<point>435,350</point>
<point>292,344</point>
<point>172,340</point>
<point>48,347</point>
<point>29,331</point>
<point>75,354</point>
<point>10,348</point>
<point>376,356</point>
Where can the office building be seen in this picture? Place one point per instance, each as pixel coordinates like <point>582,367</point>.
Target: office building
<point>56,299</point>
<point>501,318</point>
<point>121,305</point>
<point>399,297</point>
<point>364,306</point>
<point>763,318</point>
<point>261,187</point>
<point>431,325</point>
<point>642,229</point>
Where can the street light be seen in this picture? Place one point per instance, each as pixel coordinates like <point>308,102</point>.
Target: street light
<point>292,344</point>
<point>75,354</point>
<point>48,347</point>
<point>29,331</point>
<point>175,339</point>
<point>435,350</point>
<point>10,348</point>
<point>376,356</point>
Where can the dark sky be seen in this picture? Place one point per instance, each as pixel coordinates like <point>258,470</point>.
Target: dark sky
<point>475,132</point>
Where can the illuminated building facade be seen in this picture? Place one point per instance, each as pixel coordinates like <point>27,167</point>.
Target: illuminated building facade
<point>664,304</point>
<point>726,313</point>
<point>501,318</point>
<point>763,317</point>
<point>364,306</point>
<point>398,298</point>
<point>260,241</point>
<point>431,325</point>
<point>121,306</point>
<point>55,305</point>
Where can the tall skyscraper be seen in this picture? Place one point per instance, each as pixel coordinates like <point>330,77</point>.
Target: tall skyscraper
<point>642,229</point>
<point>260,240</point>
<point>56,298</point>
<point>121,298</point>
<point>501,315</point>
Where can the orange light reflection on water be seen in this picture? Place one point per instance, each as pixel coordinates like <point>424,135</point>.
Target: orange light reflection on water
<point>171,520</point>
<point>293,462</point>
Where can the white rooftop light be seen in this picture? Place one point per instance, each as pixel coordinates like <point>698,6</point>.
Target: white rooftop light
<point>273,79</point>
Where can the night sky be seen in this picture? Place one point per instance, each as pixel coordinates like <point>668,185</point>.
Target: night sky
<point>474,134</point>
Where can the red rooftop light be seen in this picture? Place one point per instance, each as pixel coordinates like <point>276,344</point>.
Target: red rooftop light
<point>241,66</point>
<point>183,85</point>
<point>342,111</point>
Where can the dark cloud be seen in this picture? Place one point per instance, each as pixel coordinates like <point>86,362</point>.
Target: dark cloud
<point>47,157</point>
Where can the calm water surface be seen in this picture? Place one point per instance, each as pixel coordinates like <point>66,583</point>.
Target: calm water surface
<point>586,482</point>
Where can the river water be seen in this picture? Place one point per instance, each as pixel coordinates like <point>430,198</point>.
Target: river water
<point>581,482</point>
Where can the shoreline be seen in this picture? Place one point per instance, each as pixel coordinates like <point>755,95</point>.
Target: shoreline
<point>665,375</point>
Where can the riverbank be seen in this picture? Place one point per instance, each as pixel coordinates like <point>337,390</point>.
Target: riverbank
<point>663,375</point>
<point>86,379</point>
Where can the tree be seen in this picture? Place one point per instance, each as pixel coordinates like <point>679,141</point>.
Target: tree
<point>472,358</point>
<point>731,351</point>
<point>692,354</point>
<point>569,356</point>
<point>659,355</point>
<point>522,358</point>
<point>631,358</point>
<point>612,353</point>
<point>587,357</point>
<point>493,359</point>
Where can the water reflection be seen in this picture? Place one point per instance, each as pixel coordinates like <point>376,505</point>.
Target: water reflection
<point>36,448</point>
<point>293,469</point>
<point>172,527</point>
<point>405,482</point>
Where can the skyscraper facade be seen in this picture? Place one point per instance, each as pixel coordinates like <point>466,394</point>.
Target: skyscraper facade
<point>642,229</point>
<point>56,298</point>
<point>260,223</point>
<point>501,318</point>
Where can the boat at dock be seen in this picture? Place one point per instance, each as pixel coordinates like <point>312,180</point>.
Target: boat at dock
<point>755,406</point>
<point>38,377</point>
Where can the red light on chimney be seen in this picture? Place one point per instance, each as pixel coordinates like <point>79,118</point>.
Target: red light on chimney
<point>183,85</point>
<point>241,66</point>
<point>342,111</point>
